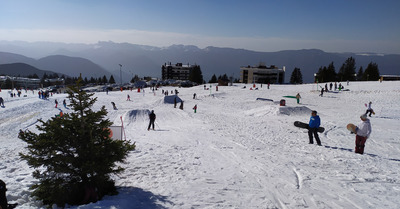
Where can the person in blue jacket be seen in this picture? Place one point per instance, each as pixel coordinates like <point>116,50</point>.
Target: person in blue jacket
<point>313,126</point>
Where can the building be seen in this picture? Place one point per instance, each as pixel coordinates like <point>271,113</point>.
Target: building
<point>262,74</point>
<point>27,83</point>
<point>177,71</point>
<point>390,78</point>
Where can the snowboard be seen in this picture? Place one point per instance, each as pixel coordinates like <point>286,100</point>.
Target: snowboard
<point>351,127</point>
<point>305,126</point>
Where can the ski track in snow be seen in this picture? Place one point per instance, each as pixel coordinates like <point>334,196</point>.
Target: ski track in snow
<point>236,151</point>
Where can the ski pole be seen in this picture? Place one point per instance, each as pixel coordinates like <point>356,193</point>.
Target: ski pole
<point>157,125</point>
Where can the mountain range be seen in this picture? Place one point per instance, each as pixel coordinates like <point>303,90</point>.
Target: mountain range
<point>109,58</point>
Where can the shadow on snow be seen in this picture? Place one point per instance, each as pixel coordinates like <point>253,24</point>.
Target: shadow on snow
<point>351,150</point>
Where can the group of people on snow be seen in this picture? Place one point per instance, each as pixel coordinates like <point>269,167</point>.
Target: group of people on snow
<point>363,129</point>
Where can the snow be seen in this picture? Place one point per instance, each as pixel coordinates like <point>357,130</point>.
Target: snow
<point>236,151</point>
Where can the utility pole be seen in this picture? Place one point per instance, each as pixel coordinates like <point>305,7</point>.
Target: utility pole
<point>120,73</point>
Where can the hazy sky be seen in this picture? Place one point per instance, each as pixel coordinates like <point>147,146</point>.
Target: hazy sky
<point>261,25</point>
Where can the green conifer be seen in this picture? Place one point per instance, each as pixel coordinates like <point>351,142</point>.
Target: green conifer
<point>73,155</point>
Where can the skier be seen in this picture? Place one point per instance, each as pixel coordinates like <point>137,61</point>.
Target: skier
<point>369,109</point>
<point>65,103</point>
<point>128,98</point>
<point>363,130</point>
<point>313,126</point>
<point>1,102</point>
<point>195,108</point>
<point>56,103</point>
<point>113,104</point>
<point>322,92</point>
<point>298,98</point>
<point>152,117</point>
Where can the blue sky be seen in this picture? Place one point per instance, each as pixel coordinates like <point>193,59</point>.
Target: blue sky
<point>261,25</point>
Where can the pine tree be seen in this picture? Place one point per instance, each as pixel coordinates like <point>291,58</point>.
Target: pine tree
<point>330,73</point>
<point>112,81</point>
<point>348,70</point>
<point>104,80</point>
<point>371,72</point>
<point>296,77</point>
<point>196,75</point>
<point>73,155</point>
<point>360,73</point>
<point>213,79</point>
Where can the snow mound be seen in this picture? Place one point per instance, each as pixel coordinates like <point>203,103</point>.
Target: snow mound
<point>278,110</point>
<point>134,115</point>
<point>170,99</point>
<point>286,110</point>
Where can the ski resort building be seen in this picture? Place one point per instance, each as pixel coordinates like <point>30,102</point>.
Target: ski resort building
<point>262,74</point>
<point>177,71</point>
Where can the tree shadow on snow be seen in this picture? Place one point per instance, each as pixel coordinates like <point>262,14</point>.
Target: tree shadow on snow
<point>352,150</point>
<point>138,198</point>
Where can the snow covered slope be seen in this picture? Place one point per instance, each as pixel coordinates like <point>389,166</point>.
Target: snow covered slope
<point>236,151</point>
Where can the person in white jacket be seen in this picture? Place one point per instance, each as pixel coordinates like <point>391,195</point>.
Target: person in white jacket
<point>363,130</point>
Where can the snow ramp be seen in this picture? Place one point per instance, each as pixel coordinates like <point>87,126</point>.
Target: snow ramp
<point>286,110</point>
<point>170,99</point>
<point>137,115</point>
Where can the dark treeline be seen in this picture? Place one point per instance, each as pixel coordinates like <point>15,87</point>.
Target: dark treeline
<point>347,72</point>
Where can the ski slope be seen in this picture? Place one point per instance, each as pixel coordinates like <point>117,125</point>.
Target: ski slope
<point>236,151</point>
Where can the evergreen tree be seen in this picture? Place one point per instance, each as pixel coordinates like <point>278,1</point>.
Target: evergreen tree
<point>213,79</point>
<point>322,74</point>
<point>196,75</point>
<point>371,72</point>
<point>330,73</point>
<point>73,155</point>
<point>135,78</point>
<point>104,80</point>
<point>92,80</point>
<point>7,84</point>
<point>296,77</point>
<point>348,70</point>
<point>360,73</point>
<point>112,81</point>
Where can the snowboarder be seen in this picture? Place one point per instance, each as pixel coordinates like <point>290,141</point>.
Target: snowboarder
<point>56,103</point>
<point>1,102</point>
<point>128,98</point>
<point>369,109</point>
<point>298,98</point>
<point>65,103</point>
<point>194,96</point>
<point>363,130</point>
<point>152,117</point>
<point>195,108</point>
<point>322,92</point>
<point>114,107</point>
<point>313,126</point>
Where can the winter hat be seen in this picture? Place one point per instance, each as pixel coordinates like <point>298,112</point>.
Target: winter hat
<point>363,116</point>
